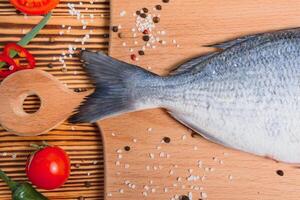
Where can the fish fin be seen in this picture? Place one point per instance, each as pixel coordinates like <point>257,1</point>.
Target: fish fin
<point>114,81</point>
<point>231,43</point>
<point>187,66</point>
<point>185,121</point>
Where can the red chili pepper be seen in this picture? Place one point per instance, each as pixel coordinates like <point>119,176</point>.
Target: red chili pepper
<point>13,64</point>
<point>22,53</point>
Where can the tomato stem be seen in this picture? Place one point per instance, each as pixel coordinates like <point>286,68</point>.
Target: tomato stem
<point>39,147</point>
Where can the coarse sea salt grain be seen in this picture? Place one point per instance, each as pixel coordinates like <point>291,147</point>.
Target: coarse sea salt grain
<point>121,191</point>
<point>190,195</point>
<point>151,155</point>
<point>200,163</point>
<point>230,177</point>
<point>226,154</point>
<point>203,195</point>
<point>146,187</point>
<point>122,13</point>
<point>126,166</point>
<point>166,190</point>
<point>134,140</point>
<point>162,154</point>
<point>143,24</point>
<point>119,151</point>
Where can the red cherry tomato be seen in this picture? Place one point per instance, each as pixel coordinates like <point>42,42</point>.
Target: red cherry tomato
<point>35,7</point>
<point>48,168</point>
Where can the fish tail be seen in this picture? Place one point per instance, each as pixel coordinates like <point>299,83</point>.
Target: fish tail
<point>115,83</point>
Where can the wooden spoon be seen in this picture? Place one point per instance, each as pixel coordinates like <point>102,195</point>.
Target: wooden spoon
<point>57,102</point>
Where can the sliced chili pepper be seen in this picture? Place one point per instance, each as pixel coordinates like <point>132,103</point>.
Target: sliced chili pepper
<point>12,66</point>
<point>29,36</point>
<point>22,53</point>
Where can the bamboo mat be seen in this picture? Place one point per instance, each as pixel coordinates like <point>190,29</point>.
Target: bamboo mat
<point>82,142</point>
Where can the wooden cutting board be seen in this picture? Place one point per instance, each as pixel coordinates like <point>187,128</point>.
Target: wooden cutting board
<point>188,164</point>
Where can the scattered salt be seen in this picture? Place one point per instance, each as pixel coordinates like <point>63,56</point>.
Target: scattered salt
<point>203,195</point>
<point>122,13</point>
<point>151,155</point>
<point>126,166</point>
<point>119,151</point>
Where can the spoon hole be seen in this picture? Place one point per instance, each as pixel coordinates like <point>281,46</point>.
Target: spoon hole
<point>31,104</point>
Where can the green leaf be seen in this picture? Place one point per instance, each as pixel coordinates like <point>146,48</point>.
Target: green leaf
<point>29,36</point>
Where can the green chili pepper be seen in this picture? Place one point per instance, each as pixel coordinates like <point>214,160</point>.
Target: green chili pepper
<point>22,191</point>
<point>29,36</point>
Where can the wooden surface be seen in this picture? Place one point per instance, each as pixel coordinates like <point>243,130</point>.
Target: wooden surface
<point>82,142</point>
<point>161,170</point>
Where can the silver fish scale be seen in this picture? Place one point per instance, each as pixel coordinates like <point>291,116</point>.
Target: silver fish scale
<point>246,97</point>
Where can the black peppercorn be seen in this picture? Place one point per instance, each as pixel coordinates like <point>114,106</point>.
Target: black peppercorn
<point>115,29</point>
<point>146,38</point>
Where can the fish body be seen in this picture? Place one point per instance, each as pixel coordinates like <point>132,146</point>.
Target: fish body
<point>245,96</point>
